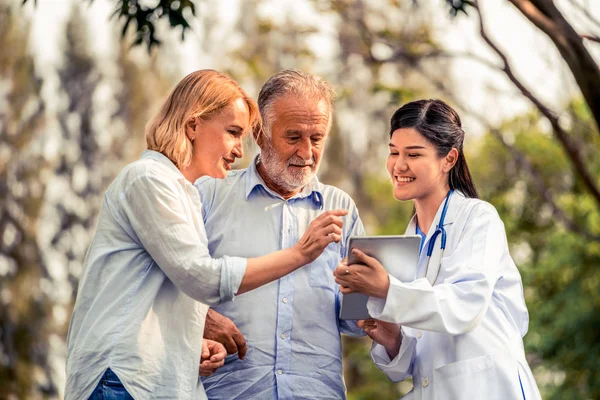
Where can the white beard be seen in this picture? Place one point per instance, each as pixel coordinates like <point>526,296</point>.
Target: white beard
<point>280,172</point>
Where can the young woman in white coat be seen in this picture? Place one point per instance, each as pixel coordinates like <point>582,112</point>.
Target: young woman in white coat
<point>457,328</point>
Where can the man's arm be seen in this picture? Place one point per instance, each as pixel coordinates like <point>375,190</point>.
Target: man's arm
<point>221,329</point>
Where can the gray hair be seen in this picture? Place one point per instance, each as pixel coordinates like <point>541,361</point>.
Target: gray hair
<point>291,82</point>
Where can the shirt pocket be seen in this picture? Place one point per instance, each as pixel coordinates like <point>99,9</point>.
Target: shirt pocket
<point>321,270</point>
<point>474,378</point>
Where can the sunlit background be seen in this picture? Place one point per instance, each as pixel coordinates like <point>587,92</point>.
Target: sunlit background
<point>75,95</point>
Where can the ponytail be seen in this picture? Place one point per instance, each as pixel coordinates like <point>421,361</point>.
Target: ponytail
<point>460,177</point>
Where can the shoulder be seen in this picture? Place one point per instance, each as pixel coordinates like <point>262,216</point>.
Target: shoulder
<point>335,197</point>
<point>207,183</point>
<point>214,190</point>
<point>477,208</point>
<point>144,172</point>
<point>479,217</point>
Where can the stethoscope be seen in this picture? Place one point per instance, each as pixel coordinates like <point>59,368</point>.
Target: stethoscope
<point>439,230</point>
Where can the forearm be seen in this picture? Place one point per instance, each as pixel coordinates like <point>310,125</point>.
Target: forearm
<point>399,366</point>
<point>453,308</point>
<point>265,269</point>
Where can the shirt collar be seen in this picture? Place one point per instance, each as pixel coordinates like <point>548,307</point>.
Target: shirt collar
<point>161,159</point>
<point>313,190</point>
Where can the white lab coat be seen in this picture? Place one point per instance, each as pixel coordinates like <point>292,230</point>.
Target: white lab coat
<point>462,336</point>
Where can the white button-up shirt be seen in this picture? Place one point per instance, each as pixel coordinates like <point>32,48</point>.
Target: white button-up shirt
<point>291,325</point>
<point>138,308</point>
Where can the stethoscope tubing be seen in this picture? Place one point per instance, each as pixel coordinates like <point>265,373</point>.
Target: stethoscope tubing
<point>439,230</point>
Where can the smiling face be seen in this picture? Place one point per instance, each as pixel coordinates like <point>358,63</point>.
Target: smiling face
<point>416,170</point>
<point>292,155</point>
<point>217,141</point>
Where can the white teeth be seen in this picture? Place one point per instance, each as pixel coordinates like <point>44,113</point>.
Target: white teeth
<point>404,179</point>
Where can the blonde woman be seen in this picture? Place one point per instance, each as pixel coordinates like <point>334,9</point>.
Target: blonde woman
<point>148,278</point>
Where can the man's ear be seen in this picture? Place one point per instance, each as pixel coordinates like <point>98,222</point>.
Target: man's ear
<point>190,129</point>
<point>450,159</point>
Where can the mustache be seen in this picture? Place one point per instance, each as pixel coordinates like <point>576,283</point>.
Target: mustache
<point>295,160</point>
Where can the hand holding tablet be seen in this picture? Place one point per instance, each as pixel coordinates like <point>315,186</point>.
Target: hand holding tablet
<point>399,255</point>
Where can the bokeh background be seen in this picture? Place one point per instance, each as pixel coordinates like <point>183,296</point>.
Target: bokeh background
<point>79,80</point>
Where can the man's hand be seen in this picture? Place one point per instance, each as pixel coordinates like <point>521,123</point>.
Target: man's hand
<point>324,229</point>
<point>212,358</point>
<point>221,329</point>
<point>386,334</point>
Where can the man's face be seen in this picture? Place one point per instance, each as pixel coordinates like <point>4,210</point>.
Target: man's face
<point>292,156</point>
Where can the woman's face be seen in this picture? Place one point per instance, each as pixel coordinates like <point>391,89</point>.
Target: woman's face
<point>414,166</point>
<point>218,140</point>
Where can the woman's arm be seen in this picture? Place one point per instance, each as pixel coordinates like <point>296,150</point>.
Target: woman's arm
<point>324,229</point>
<point>158,218</point>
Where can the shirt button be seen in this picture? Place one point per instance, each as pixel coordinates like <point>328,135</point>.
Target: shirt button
<point>284,299</point>
<point>282,336</point>
<point>419,334</point>
<point>279,372</point>
<point>425,382</point>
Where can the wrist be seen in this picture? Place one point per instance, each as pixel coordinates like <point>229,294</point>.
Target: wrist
<point>394,348</point>
<point>299,256</point>
<point>384,288</point>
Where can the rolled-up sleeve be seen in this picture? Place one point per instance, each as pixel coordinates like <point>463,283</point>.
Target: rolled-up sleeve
<point>158,212</point>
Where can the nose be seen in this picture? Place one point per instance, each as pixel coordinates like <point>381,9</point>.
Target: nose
<point>401,165</point>
<point>305,149</point>
<point>238,148</point>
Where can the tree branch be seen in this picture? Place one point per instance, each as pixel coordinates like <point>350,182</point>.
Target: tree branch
<point>572,150</point>
<point>591,38</point>
<point>545,15</point>
<point>521,160</point>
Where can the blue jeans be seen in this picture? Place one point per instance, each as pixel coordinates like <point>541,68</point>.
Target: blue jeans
<point>110,388</point>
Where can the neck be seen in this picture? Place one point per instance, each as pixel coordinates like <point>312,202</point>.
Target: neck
<point>191,173</point>
<point>283,192</point>
<point>428,206</point>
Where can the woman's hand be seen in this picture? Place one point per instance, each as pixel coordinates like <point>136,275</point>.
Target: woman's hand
<point>212,358</point>
<point>386,334</point>
<point>370,279</point>
<point>324,229</point>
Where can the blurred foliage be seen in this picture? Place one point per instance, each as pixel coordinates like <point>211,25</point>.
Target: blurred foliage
<point>143,18</point>
<point>559,268</point>
<point>55,165</point>
<point>25,313</point>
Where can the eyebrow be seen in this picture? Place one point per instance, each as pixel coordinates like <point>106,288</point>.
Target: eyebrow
<point>236,127</point>
<point>293,132</point>
<point>409,147</point>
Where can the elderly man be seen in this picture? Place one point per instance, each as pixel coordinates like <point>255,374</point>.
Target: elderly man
<point>291,326</point>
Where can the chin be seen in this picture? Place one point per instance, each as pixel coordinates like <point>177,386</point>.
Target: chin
<point>403,195</point>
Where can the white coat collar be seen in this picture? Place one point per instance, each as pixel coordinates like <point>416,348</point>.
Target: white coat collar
<point>432,272</point>
<point>453,206</point>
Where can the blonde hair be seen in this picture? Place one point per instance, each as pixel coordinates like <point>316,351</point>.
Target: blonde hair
<point>201,94</point>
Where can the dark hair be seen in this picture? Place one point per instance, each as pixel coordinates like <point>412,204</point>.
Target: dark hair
<point>441,126</point>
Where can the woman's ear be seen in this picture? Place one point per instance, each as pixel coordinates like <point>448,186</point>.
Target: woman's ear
<point>190,129</point>
<point>450,159</point>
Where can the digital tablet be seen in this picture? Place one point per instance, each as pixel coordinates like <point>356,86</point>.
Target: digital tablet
<point>398,254</point>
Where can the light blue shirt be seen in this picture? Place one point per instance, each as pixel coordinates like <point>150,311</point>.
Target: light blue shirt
<point>291,325</point>
<point>137,310</point>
